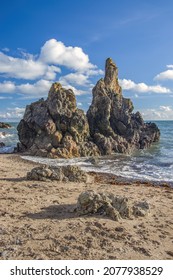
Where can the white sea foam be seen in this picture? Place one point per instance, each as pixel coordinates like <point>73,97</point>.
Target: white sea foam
<point>128,169</point>
<point>4,135</point>
<point>154,164</point>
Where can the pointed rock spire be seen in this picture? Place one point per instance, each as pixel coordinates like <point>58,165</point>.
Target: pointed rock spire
<point>111,77</point>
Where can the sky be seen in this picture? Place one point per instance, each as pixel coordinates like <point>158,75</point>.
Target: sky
<point>43,41</point>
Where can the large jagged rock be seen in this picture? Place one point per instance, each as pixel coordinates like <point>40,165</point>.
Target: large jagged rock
<point>113,126</point>
<point>116,207</point>
<point>56,127</point>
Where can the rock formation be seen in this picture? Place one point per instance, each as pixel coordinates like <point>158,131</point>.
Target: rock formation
<point>67,173</point>
<point>4,125</point>
<point>116,207</point>
<point>113,126</point>
<point>2,144</point>
<point>55,127</point>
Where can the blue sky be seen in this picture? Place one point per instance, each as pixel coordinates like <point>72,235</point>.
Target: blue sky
<point>68,41</point>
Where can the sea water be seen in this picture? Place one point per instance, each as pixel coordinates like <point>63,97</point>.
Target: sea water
<point>154,164</point>
<point>9,137</point>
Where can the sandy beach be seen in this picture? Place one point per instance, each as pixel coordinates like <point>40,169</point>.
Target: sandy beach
<point>37,219</point>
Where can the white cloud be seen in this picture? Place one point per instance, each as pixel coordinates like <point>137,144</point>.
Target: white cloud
<point>13,113</point>
<point>92,72</point>
<point>166,108</point>
<point>7,87</point>
<point>161,113</point>
<point>5,97</point>
<point>142,87</point>
<point>165,75</point>
<point>28,69</point>
<point>55,52</point>
<point>35,90</point>
<point>79,104</point>
<point>42,69</point>
<point>5,49</point>
<point>169,66</point>
<point>74,89</point>
<point>74,78</point>
<point>40,88</point>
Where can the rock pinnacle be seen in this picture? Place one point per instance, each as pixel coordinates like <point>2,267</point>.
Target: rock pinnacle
<point>111,76</point>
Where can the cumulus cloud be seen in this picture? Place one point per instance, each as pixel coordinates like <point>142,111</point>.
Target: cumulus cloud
<point>7,87</point>
<point>166,108</point>
<point>35,90</point>
<point>55,52</point>
<point>42,69</point>
<point>5,49</point>
<point>165,75</point>
<point>75,78</point>
<point>13,113</point>
<point>28,69</point>
<point>74,89</point>
<point>40,88</point>
<point>142,87</point>
<point>161,113</point>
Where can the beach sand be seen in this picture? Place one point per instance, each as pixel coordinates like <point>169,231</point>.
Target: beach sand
<point>37,219</point>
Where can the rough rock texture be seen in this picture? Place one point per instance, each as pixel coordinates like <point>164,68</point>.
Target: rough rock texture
<point>4,125</point>
<point>66,173</point>
<point>56,128</point>
<point>113,126</point>
<point>116,207</point>
<point>2,144</point>
<point>141,208</point>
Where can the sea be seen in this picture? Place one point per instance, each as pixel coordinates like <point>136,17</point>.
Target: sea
<point>154,164</point>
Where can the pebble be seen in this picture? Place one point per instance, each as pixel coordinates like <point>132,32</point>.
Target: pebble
<point>119,229</point>
<point>170,253</point>
<point>4,254</point>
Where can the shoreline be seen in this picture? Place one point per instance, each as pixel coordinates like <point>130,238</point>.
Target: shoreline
<point>117,179</point>
<point>38,220</point>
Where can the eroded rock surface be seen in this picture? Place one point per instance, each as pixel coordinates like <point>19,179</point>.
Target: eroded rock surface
<point>113,126</point>
<point>116,207</point>
<point>68,173</point>
<point>56,128</point>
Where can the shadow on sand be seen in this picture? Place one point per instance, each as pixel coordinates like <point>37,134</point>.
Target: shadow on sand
<point>59,212</point>
<point>21,179</point>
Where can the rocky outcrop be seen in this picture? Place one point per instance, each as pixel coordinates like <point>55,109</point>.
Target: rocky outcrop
<point>2,144</point>
<point>56,128</point>
<point>68,173</point>
<point>116,207</point>
<point>113,126</point>
<point>4,125</point>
